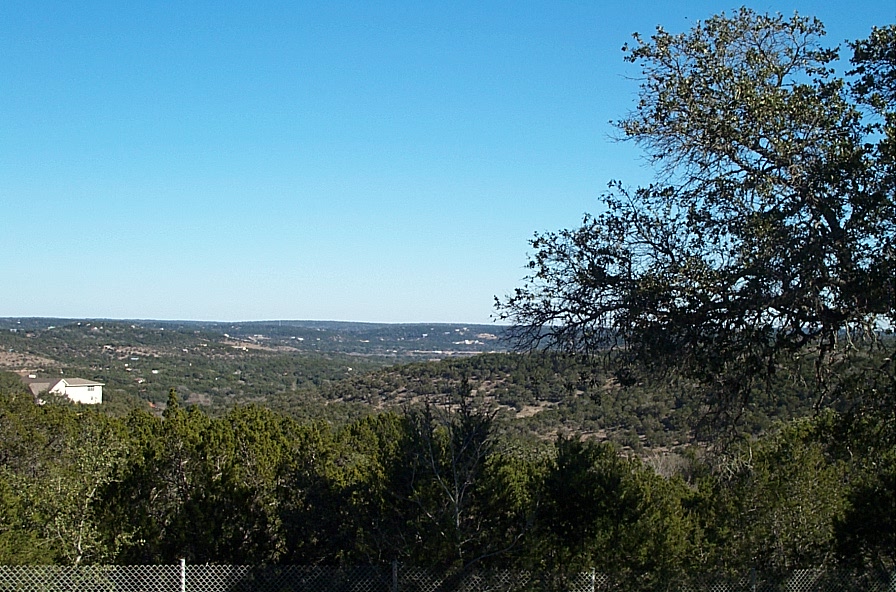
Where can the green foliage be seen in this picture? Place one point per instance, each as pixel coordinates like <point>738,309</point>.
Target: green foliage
<point>439,485</point>
<point>446,457</point>
<point>55,461</point>
<point>865,533</point>
<point>601,510</point>
<point>205,489</point>
<point>780,500</point>
<point>19,541</point>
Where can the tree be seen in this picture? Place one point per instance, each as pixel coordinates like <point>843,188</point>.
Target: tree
<point>447,456</point>
<point>20,542</point>
<point>779,500</point>
<point>767,240</point>
<point>601,510</point>
<point>54,462</point>
<point>156,505</point>
<point>22,461</point>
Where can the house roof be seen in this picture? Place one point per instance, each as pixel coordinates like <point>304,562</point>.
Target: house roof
<point>81,382</point>
<point>39,385</point>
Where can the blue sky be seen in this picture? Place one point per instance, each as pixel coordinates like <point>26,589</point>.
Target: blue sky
<point>381,161</point>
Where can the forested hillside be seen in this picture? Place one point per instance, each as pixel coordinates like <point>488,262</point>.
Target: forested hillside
<point>537,393</point>
<point>218,365</point>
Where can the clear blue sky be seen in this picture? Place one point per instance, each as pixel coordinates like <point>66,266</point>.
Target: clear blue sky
<point>368,161</point>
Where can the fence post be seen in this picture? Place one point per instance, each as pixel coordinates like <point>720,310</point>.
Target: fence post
<point>183,575</point>
<point>394,575</point>
<point>753,579</point>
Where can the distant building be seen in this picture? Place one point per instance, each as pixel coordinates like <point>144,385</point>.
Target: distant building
<point>77,390</point>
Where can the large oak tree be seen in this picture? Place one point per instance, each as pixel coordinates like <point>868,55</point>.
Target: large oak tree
<point>767,239</point>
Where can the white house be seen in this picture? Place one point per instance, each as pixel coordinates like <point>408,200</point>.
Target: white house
<point>78,390</point>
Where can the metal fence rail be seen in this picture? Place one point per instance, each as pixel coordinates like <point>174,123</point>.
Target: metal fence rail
<point>399,578</point>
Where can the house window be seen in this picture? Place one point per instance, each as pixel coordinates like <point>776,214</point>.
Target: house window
<point>90,388</point>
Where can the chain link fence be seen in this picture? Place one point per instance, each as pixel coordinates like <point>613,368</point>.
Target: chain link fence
<point>398,578</point>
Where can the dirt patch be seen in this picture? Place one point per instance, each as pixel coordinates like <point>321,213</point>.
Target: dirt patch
<point>25,363</point>
<point>123,352</point>
<point>530,410</point>
<point>247,345</point>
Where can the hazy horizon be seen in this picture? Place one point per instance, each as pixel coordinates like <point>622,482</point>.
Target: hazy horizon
<point>238,321</point>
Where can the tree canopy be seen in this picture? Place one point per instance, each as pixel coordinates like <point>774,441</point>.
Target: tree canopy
<point>767,238</point>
